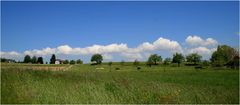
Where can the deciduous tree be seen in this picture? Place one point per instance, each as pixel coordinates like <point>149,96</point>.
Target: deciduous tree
<point>40,60</point>
<point>27,59</point>
<point>223,55</point>
<point>97,58</point>
<point>194,57</point>
<point>178,58</point>
<point>154,58</point>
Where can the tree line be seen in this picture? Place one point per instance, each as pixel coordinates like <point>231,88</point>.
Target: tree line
<point>39,60</point>
<point>223,56</point>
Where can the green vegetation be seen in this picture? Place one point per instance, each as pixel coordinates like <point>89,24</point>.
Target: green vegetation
<point>40,60</point>
<point>225,55</point>
<point>154,58</point>
<point>215,82</point>
<point>27,59</point>
<point>53,59</point>
<point>34,59</point>
<point>72,62</point>
<point>97,58</point>
<point>194,57</point>
<point>87,84</point>
<point>178,58</point>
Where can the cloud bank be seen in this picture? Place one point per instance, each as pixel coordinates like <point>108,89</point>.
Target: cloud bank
<point>198,41</point>
<point>142,51</point>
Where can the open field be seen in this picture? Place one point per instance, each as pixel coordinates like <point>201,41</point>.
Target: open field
<point>86,84</point>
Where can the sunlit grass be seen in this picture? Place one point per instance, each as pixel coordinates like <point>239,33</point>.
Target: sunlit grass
<point>86,84</point>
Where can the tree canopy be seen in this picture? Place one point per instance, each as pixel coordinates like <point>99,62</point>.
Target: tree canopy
<point>97,58</point>
<point>34,59</point>
<point>53,59</point>
<point>167,61</point>
<point>225,55</point>
<point>178,58</point>
<point>27,59</point>
<point>72,62</point>
<point>79,61</point>
<point>40,60</point>
<point>194,57</point>
<point>154,58</point>
<point>66,61</point>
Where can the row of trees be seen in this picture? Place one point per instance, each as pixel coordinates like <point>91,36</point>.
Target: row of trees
<point>79,61</point>
<point>154,59</point>
<point>39,60</point>
<point>223,56</point>
<point>33,60</point>
<point>177,58</point>
<point>7,60</point>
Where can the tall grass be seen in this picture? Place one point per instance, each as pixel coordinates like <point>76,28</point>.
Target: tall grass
<point>86,84</point>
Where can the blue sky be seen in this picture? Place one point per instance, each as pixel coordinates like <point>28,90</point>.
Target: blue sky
<point>38,25</point>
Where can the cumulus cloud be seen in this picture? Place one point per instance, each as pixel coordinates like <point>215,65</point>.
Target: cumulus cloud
<point>106,50</point>
<point>132,56</point>
<point>166,44</point>
<point>140,52</point>
<point>43,52</point>
<point>64,49</point>
<point>67,50</point>
<point>159,44</point>
<point>11,55</point>
<point>202,50</point>
<point>107,56</point>
<point>198,41</point>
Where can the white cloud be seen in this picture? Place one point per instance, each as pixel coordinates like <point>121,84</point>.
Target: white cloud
<point>203,51</point>
<point>107,56</point>
<point>198,41</point>
<point>166,44</point>
<point>64,49</point>
<point>112,48</point>
<point>67,50</point>
<point>141,52</point>
<point>11,55</point>
<point>43,52</point>
<point>132,56</point>
<point>160,44</point>
<point>146,46</point>
<point>130,53</point>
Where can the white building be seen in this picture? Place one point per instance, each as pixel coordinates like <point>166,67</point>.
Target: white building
<point>59,61</point>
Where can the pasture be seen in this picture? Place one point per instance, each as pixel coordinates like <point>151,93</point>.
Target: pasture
<point>21,83</point>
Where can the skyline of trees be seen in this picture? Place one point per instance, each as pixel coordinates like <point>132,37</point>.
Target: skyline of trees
<point>223,56</point>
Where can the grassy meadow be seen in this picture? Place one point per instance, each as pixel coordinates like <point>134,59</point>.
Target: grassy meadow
<point>88,85</point>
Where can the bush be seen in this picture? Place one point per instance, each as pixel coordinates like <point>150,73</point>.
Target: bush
<point>198,67</point>
<point>136,63</point>
<point>205,63</point>
<point>72,62</point>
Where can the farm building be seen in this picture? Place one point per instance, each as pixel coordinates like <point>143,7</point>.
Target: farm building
<point>59,61</point>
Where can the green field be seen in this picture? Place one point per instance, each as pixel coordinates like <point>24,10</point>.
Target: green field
<point>86,84</point>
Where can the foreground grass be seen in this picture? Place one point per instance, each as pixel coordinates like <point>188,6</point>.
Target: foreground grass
<point>86,84</point>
